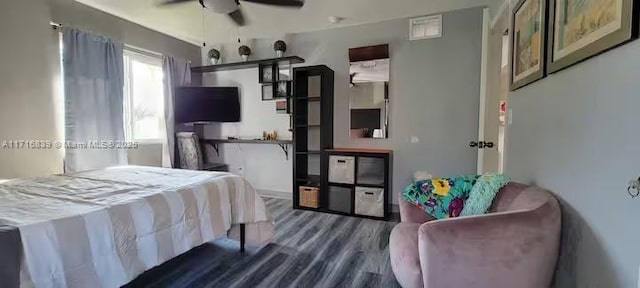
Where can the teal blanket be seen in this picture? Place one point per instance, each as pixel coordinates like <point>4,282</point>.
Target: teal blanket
<point>463,195</point>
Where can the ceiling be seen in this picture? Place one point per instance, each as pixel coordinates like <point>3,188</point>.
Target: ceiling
<point>185,21</point>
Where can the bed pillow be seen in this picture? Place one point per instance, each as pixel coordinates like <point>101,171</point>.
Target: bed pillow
<point>441,197</point>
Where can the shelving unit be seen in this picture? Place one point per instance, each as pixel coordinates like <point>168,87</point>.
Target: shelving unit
<point>244,65</point>
<point>359,182</point>
<point>312,127</point>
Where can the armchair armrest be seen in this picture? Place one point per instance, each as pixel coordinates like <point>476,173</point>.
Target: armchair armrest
<point>507,249</point>
<point>410,213</point>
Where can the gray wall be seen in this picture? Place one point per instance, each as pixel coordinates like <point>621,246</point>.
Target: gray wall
<point>434,90</point>
<point>576,134</point>
<point>30,88</point>
<point>77,15</point>
<point>28,69</point>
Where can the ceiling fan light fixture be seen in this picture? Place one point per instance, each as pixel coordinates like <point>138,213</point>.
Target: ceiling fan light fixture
<point>221,6</point>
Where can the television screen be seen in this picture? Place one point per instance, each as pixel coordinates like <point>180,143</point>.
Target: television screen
<point>365,118</point>
<point>207,104</point>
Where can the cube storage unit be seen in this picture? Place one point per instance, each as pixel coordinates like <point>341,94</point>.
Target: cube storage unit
<point>359,182</point>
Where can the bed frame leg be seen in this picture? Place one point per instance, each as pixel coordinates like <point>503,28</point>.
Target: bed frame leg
<point>242,236</point>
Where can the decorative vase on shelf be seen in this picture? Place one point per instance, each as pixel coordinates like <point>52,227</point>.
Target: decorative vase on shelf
<point>214,56</point>
<point>244,52</point>
<point>280,47</point>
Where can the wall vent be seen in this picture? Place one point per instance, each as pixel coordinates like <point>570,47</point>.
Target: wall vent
<point>425,27</point>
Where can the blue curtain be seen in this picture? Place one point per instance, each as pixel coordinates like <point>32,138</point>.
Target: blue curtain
<point>94,87</point>
<point>177,72</point>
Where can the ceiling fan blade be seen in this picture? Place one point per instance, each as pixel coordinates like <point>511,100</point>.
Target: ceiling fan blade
<point>282,3</point>
<point>172,2</point>
<point>237,17</point>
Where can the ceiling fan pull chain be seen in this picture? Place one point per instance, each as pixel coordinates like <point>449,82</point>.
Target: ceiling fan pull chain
<point>204,34</point>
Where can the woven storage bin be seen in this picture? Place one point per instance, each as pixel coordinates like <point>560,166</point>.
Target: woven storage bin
<point>309,196</point>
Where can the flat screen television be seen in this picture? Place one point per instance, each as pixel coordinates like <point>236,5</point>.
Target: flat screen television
<point>207,104</point>
<point>365,118</point>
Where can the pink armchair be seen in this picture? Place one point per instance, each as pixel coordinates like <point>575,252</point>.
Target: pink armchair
<point>515,245</point>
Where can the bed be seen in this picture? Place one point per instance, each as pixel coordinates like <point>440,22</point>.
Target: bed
<point>103,228</point>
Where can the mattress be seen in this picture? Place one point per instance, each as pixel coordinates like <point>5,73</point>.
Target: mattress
<point>103,228</point>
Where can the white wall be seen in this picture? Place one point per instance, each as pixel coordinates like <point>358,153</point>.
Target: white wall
<point>264,166</point>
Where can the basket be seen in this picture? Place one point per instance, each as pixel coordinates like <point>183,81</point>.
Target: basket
<point>309,196</point>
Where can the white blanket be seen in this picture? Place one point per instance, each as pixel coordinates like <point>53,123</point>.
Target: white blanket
<point>103,228</point>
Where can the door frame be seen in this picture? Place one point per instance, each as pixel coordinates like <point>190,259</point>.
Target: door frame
<point>483,85</point>
<point>498,24</point>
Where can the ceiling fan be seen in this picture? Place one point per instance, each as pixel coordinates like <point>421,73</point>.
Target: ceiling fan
<point>232,7</point>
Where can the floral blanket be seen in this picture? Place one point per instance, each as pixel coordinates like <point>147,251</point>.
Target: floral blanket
<point>441,197</point>
<point>464,195</point>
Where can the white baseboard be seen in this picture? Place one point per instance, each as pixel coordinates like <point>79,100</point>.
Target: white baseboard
<point>275,194</point>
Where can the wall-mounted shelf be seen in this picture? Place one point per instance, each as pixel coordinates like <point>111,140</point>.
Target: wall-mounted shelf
<point>284,144</point>
<point>245,65</point>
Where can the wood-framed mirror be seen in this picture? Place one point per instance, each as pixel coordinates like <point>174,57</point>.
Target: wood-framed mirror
<point>369,92</point>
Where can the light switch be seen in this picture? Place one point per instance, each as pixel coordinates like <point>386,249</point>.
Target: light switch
<point>415,139</point>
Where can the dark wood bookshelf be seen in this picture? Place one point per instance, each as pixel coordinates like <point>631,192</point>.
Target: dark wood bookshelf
<point>308,166</point>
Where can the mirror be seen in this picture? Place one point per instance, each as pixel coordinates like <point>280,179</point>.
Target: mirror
<point>369,92</point>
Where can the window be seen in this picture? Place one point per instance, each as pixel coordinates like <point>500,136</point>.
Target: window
<point>143,98</point>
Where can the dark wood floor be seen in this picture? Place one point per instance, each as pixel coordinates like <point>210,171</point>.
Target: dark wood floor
<point>310,249</point>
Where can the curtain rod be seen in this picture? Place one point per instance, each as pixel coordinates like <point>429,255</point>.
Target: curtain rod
<point>55,25</point>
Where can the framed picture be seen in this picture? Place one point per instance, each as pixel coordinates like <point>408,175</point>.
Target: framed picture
<point>283,90</point>
<point>581,29</point>
<point>268,74</point>
<point>528,42</point>
<point>267,92</point>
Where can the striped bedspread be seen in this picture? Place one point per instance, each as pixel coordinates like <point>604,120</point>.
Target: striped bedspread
<point>103,228</point>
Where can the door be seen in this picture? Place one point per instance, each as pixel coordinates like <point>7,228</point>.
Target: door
<point>493,103</point>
